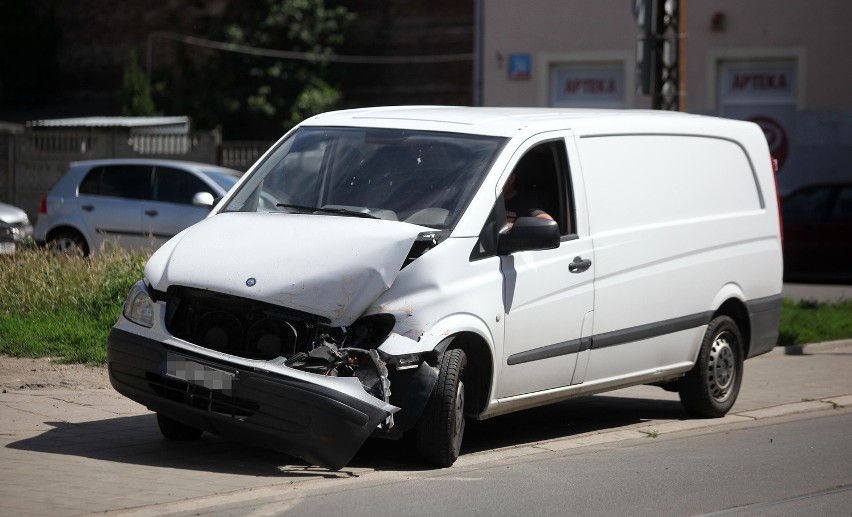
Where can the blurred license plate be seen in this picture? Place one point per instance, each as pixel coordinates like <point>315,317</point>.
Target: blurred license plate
<point>199,374</point>
<point>7,247</point>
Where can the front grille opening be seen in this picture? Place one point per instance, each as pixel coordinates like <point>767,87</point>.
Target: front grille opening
<point>202,398</point>
<point>239,326</point>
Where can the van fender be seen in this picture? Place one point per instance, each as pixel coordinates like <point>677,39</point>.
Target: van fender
<point>404,341</point>
<point>731,292</point>
<point>728,291</point>
<point>411,389</point>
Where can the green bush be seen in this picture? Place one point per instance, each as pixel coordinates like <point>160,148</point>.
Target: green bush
<point>61,306</point>
<point>809,321</point>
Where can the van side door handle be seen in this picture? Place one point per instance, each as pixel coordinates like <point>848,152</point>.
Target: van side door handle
<point>579,265</point>
<point>151,213</point>
<point>87,208</point>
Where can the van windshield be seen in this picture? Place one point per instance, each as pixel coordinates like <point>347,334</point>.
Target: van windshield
<point>421,177</point>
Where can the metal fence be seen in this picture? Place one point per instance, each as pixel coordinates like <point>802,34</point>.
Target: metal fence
<point>242,155</point>
<point>32,160</point>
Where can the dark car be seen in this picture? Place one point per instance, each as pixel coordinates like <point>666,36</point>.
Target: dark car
<point>818,233</point>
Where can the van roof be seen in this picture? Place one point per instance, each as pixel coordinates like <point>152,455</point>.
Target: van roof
<point>485,121</point>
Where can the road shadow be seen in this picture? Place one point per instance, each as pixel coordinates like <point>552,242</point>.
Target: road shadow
<point>560,420</point>
<point>566,419</point>
<point>137,440</point>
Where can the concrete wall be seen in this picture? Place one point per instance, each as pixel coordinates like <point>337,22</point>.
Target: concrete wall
<point>819,34</point>
<point>552,31</point>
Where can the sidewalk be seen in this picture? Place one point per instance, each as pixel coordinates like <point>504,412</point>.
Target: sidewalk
<point>818,292</point>
<point>68,451</point>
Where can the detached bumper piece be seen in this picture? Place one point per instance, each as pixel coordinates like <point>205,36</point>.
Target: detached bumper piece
<point>313,422</point>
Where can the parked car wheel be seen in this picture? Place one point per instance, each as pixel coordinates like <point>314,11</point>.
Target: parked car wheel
<point>67,242</point>
<point>174,430</point>
<point>710,389</point>
<point>440,430</point>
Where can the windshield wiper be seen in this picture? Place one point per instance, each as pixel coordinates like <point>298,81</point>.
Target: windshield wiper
<point>330,210</point>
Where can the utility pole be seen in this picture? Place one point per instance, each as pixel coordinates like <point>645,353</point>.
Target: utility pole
<point>658,49</point>
<point>681,55</point>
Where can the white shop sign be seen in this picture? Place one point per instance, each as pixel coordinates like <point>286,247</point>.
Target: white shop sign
<point>587,87</point>
<point>764,93</point>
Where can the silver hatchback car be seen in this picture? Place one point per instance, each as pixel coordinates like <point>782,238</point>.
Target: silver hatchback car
<point>134,203</point>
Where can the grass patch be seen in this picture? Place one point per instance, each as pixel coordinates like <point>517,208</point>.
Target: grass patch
<point>61,306</point>
<point>808,321</point>
<point>65,307</point>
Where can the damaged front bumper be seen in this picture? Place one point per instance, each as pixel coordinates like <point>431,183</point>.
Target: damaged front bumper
<point>323,420</point>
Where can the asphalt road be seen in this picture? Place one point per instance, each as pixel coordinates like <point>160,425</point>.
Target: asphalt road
<point>789,466</point>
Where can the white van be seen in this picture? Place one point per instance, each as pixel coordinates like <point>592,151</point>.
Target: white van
<point>391,290</point>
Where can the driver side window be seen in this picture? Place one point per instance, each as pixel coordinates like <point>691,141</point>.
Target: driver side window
<point>539,186</point>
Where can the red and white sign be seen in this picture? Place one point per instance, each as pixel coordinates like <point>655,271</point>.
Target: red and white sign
<point>587,87</point>
<point>764,93</point>
<point>758,82</point>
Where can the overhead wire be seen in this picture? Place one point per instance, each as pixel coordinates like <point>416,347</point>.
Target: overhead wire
<point>304,56</point>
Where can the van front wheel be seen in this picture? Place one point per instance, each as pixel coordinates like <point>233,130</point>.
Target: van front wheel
<point>440,430</point>
<point>710,389</point>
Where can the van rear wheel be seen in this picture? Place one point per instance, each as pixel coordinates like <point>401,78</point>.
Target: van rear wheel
<point>178,431</point>
<point>439,432</point>
<point>710,389</point>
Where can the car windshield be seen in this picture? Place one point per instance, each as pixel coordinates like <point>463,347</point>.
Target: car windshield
<point>226,181</point>
<point>421,177</point>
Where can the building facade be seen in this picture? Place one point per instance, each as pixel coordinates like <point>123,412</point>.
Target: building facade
<point>781,63</point>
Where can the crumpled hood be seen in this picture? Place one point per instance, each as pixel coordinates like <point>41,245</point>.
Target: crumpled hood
<point>329,266</point>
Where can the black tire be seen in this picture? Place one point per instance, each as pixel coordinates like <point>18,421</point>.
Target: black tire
<point>67,242</point>
<point>174,430</point>
<point>710,389</point>
<point>439,432</point>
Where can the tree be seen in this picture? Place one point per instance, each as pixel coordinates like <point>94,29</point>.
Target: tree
<point>136,100</point>
<point>288,90</point>
<point>255,96</point>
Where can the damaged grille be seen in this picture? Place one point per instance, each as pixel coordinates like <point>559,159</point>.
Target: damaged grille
<point>256,330</point>
<point>239,326</point>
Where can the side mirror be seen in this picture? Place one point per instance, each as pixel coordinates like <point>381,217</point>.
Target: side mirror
<point>203,199</point>
<point>529,233</point>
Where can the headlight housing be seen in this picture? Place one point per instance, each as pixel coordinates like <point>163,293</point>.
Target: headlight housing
<point>139,307</point>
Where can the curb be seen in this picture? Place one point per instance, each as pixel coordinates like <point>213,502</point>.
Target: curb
<point>654,431</point>
<point>800,349</point>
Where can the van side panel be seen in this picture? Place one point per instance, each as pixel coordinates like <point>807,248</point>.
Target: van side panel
<point>641,180</point>
<point>674,218</point>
